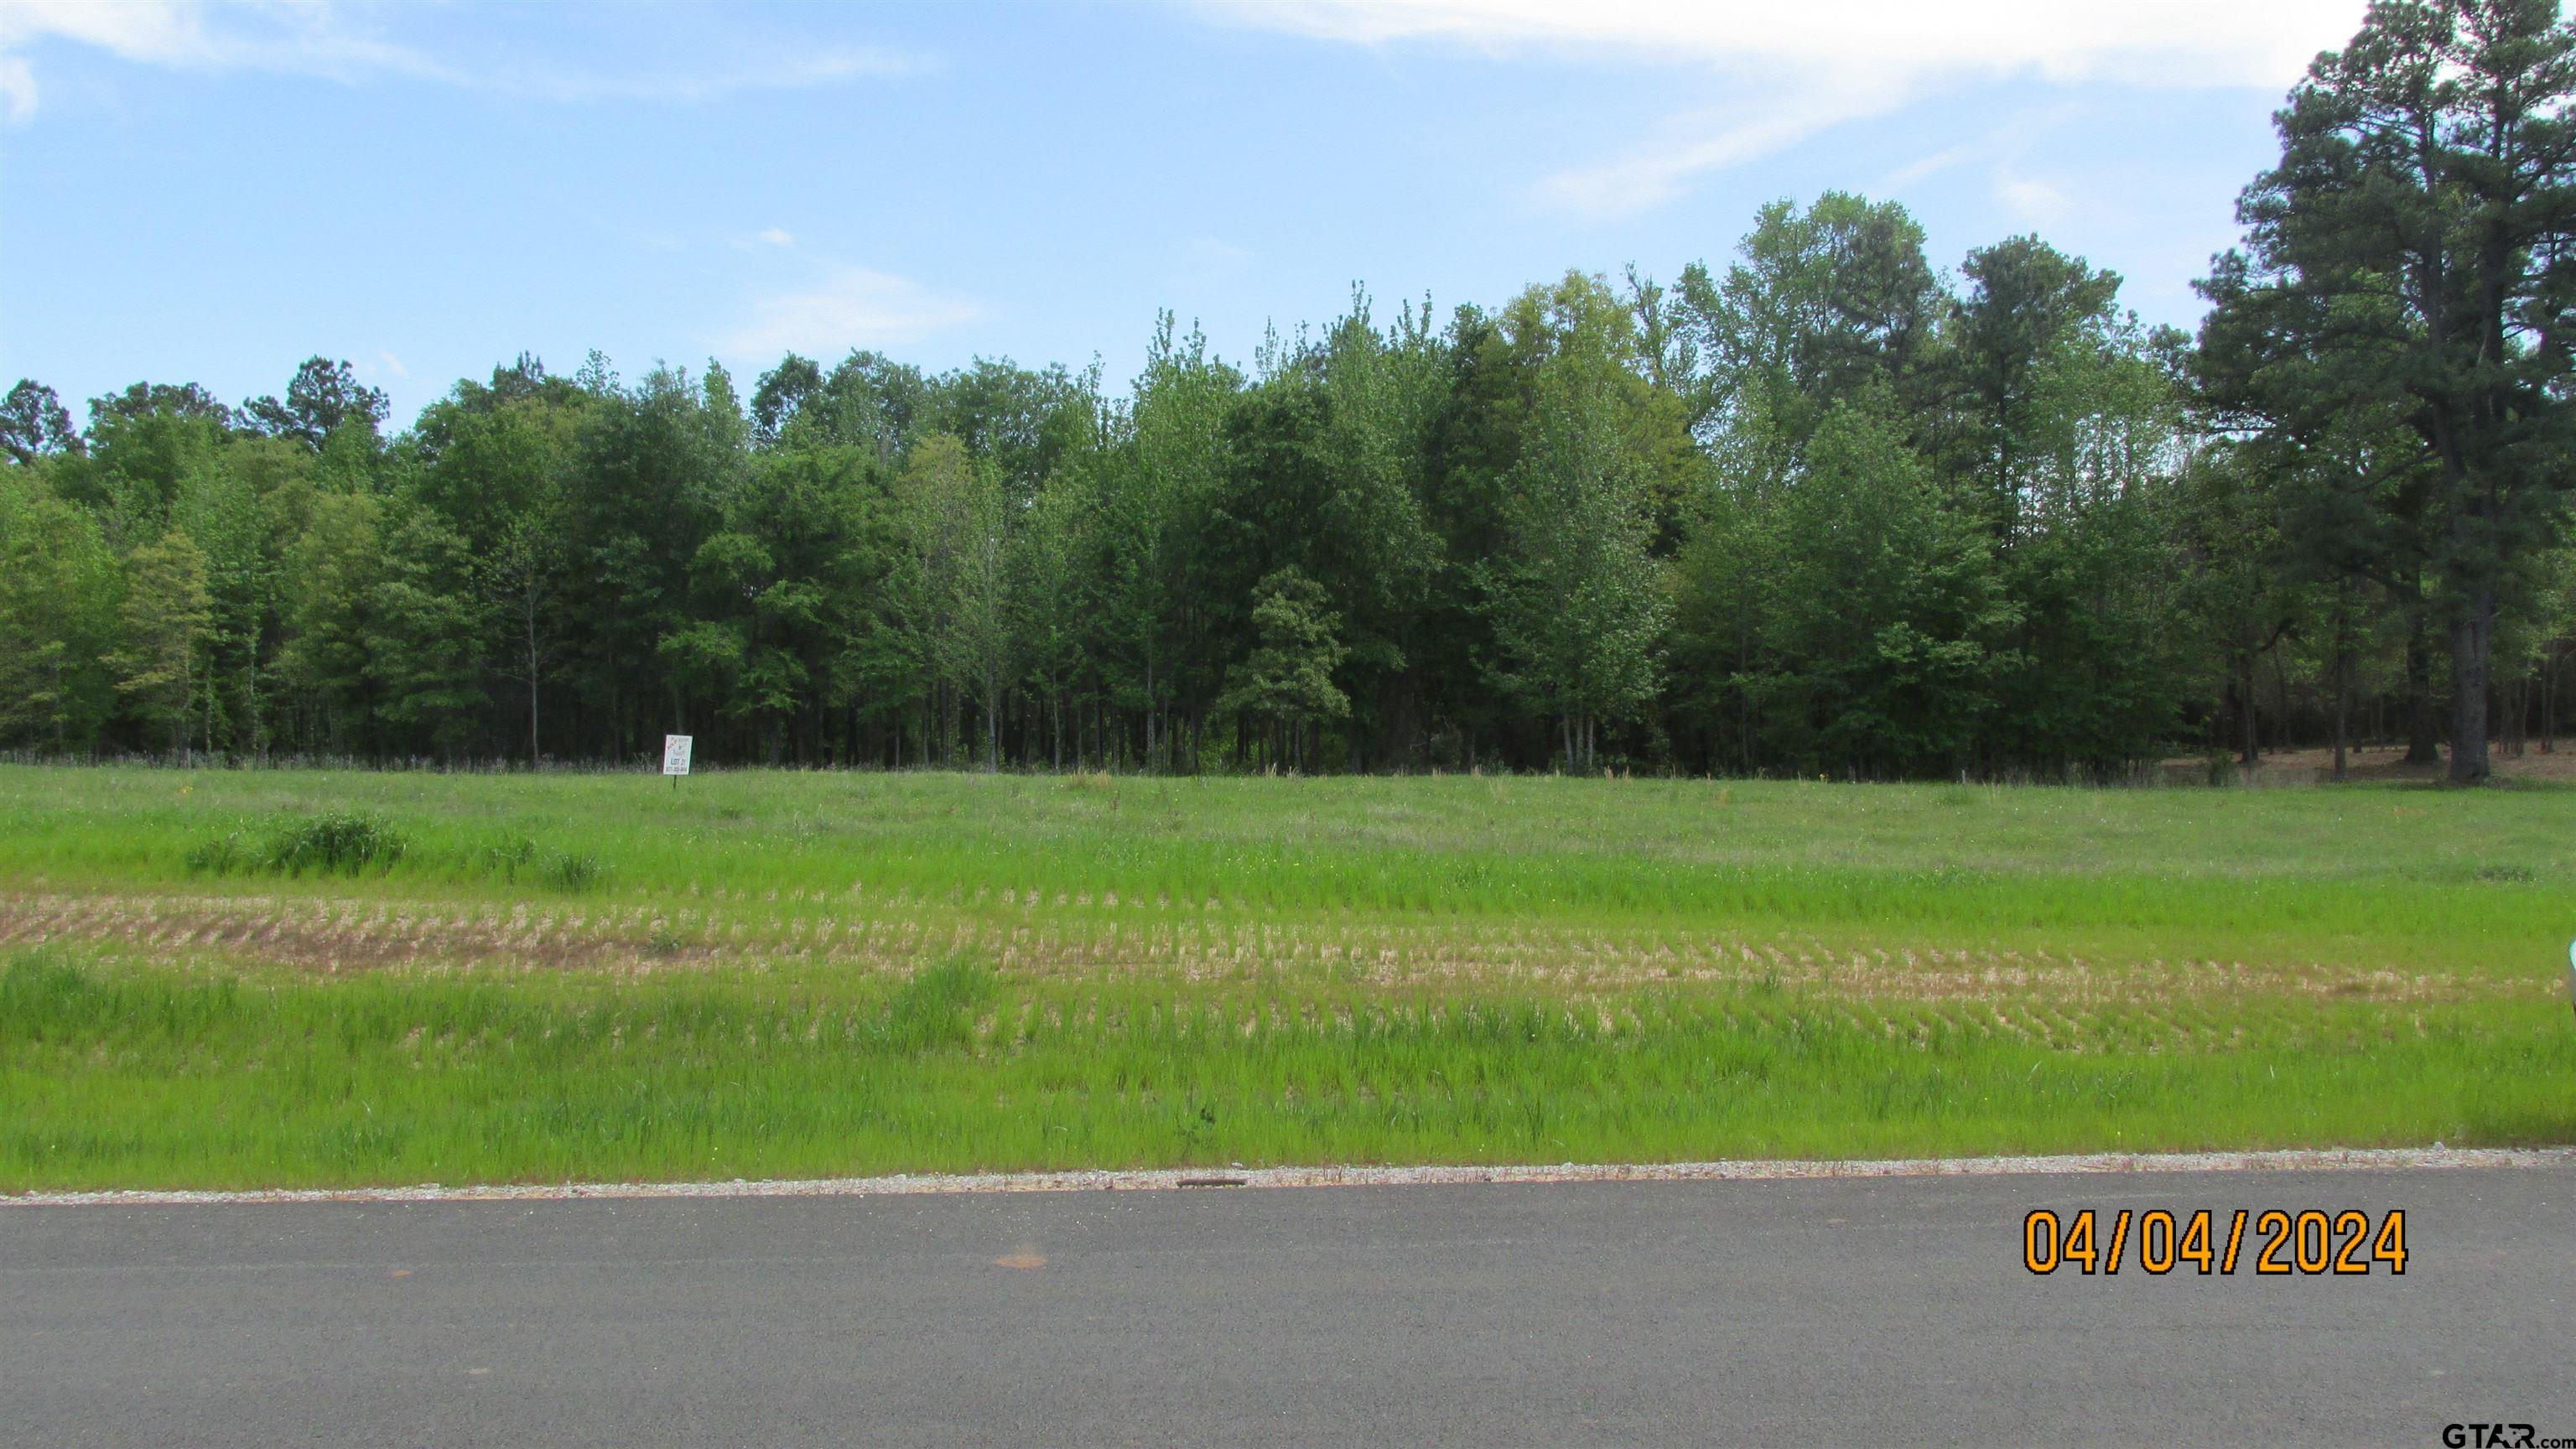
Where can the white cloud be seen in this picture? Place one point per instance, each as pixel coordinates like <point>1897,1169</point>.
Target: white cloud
<point>1205,262</point>
<point>394,364</point>
<point>777,236</point>
<point>2002,147</point>
<point>2029,201</point>
<point>1932,165</point>
<point>1701,142</point>
<point>2163,42</point>
<point>1795,70</point>
<point>853,307</point>
<point>786,72</point>
<point>17,89</point>
<point>312,38</point>
<point>291,38</point>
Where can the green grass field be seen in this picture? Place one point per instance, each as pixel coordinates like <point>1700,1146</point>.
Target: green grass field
<point>601,976</point>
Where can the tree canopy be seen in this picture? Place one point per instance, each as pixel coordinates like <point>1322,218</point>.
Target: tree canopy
<point>1821,505</point>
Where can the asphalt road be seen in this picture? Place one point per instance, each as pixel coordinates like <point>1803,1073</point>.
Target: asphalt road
<point>1792,1312</point>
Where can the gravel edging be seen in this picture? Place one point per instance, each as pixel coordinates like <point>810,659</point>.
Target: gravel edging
<point>2355,1159</point>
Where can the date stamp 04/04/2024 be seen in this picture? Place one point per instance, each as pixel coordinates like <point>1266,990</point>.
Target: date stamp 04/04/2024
<point>2215,1242</point>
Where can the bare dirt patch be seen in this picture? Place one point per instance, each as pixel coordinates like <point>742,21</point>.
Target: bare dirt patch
<point>2383,765</point>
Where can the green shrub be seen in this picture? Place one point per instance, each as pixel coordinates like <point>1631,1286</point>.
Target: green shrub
<point>935,1010</point>
<point>505,857</point>
<point>223,855</point>
<point>337,843</point>
<point>37,992</point>
<point>569,871</point>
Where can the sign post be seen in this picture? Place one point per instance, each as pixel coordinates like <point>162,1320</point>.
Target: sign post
<point>675,757</point>
<point>2571,973</point>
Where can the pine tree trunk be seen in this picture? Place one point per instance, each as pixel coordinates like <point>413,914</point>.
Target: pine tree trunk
<point>992,724</point>
<point>2517,715</point>
<point>2250,749</point>
<point>2342,712</point>
<point>2472,646</point>
<point>2549,700</point>
<point>2423,738</point>
<point>535,756</point>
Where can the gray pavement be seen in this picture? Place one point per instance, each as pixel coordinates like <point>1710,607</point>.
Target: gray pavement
<point>1797,1312</point>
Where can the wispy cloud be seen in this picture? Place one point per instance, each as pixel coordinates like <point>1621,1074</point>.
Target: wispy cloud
<point>1702,142</point>
<point>851,307</point>
<point>289,38</point>
<point>777,236</point>
<point>777,73</point>
<point>2159,42</point>
<point>17,89</point>
<point>1793,71</point>
<point>1931,165</point>
<point>318,38</point>
<point>2030,201</point>
<point>2026,200</point>
<point>1205,262</point>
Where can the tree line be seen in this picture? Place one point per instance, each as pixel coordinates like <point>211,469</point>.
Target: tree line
<point>1822,508</point>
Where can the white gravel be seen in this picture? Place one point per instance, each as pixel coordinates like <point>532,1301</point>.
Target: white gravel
<point>2378,1159</point>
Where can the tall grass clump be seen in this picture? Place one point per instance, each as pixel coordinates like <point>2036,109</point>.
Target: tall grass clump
<point>504,857</point>
<point>338,843</point>
<point>936,1009</point>
<point>570,871</point>
<point>512,856</point>
<point>231,853</point>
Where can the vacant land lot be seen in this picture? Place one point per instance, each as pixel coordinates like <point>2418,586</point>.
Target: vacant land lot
<point>290,978</point>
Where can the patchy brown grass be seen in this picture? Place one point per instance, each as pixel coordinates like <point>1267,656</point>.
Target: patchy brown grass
<point>332,935</point>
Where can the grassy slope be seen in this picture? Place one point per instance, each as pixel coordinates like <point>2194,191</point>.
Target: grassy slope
<point>1208,971</point>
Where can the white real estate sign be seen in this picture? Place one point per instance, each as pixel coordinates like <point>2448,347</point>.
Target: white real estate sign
<point>675,754</point>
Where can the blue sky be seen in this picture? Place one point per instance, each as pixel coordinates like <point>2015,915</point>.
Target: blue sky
<point>205,193</point>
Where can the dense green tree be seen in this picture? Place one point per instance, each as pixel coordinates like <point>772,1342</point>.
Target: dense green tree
<point>1818,306</point>
<point>426,630</point>
<point>1052,601</point>
<point>959,521</point>
<point>220,506</point>
<point>323,398</point>
<point>1287,680</point>
<point>1822,506</point>
<point>142,443</point>
<point>2083,521</point>
<point>778,588</point>
<point>651,468</point>
<point>1156,644</point>
<point>34,424</point>
<point>1887,624</point>
<point>2027,306</point>
<point>495,464</point>
<point>58,596</point>
<point>1579,600</point>
<point>168,619</point>
<point>2244,591</point>
<point>333,625</point>
<point>1378,553</point>
<point>2415,251</point>
<point>866,400</point>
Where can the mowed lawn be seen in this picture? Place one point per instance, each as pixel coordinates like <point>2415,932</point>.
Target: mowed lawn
<point>753,974</point>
